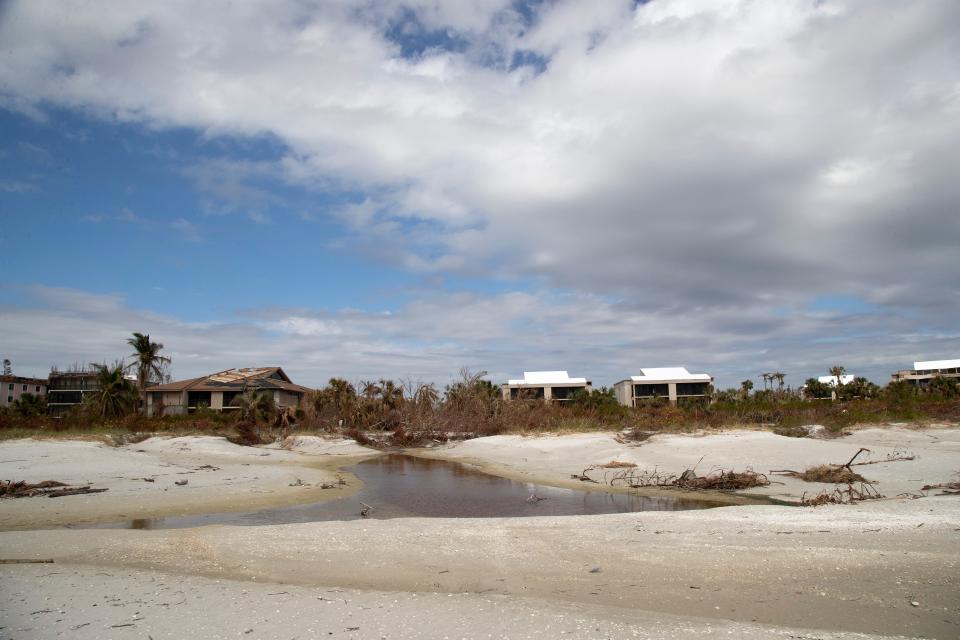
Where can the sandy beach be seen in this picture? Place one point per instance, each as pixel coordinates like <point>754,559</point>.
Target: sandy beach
<point>882,568</point>
<point>141,478</point>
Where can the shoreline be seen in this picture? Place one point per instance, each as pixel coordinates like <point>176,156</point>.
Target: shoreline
<point>221,478</point>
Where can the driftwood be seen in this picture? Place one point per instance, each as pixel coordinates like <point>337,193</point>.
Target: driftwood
<point>718,480</point>
<point>850,462</point>
<point>48,488</point>
<point>840,473</point>
<point>895,456</point>
<point>842,496</point>
<point>26,561</point>
<point>583,477</point>
<point>946,488</point>
<point>73,492</point>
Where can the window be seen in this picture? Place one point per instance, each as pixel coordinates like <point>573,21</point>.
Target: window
<point>24,388</point>
<point>198,398</point>
<point>651,390</point>
<point>527,393</point>
<point>9,399</point>
<point>692,389</point>
<point>565,393</point>
<point>38,388</point>
<point>10,388</point>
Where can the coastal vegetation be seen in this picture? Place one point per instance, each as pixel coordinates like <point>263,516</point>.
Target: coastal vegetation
<point>386,412</point>
<point>389,412</point>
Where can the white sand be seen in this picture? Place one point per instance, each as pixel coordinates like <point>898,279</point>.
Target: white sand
<point>41,602</point>
<point>552,459</point>
<point>220,477</point>
<point>317,446</point>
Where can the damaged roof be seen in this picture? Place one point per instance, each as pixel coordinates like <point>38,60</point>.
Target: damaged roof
<point>236,380</point>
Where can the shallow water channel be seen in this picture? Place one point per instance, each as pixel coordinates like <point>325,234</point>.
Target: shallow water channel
<point>399,485</point>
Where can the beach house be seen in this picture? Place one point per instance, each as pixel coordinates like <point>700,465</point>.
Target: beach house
<point>217,391</point>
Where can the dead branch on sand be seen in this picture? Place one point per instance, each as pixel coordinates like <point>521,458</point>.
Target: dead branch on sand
<point>837,473</point>
<point>48,488</point>
<point>842,496</point>
<point>717,480</point>
<point>896,455</point>
<point>26,561</point>
<point>583,477</point>
<point>824,473</point>
<point>946,488</point>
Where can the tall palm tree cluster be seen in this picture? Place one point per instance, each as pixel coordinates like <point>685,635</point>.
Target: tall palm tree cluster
<point>115,395</point>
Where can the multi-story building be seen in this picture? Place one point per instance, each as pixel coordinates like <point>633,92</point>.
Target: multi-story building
<point>925,371</point>
<point>549,386</point>
<point>12,387</point>
<point>675,385</point>
<point>67,389</point>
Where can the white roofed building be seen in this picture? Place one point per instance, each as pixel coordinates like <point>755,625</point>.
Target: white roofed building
<point>926,370</point>
<point>846,378</point>
<point>549,386</point>
<point>671,384</point>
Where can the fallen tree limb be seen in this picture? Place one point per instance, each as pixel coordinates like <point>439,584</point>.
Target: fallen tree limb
<point>862,449</point>
<point>73,492</point>
<point>26,561</point>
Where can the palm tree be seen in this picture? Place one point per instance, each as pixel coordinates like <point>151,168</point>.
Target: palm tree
<point>779,376</point>
<point>746,386</point>
<point>254,406</point>
<point>426,396</point>
<point>147,361</point>
<point>114,396</point>
<point>837,372</point>
<point>390,395</point>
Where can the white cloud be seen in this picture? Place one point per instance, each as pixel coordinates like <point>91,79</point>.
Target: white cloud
<point>687,157</point>
<point>434,335</point>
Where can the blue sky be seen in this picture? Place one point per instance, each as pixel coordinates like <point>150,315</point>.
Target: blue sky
<point>401,189</point>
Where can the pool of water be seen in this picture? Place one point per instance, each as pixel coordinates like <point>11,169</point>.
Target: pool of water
<point>399,485</point>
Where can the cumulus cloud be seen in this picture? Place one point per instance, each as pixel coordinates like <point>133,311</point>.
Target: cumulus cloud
<point>695,161</point>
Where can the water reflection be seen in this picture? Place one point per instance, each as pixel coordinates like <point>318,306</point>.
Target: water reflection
<point>399,485</point>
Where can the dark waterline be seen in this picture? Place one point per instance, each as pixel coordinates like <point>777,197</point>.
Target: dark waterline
<point>399,485</point>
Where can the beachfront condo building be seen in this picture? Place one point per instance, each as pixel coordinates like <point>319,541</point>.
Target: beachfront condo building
<point>548,386</point>
<point>68,389</point>
<point>925,371</point>
<point>675,385</point>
